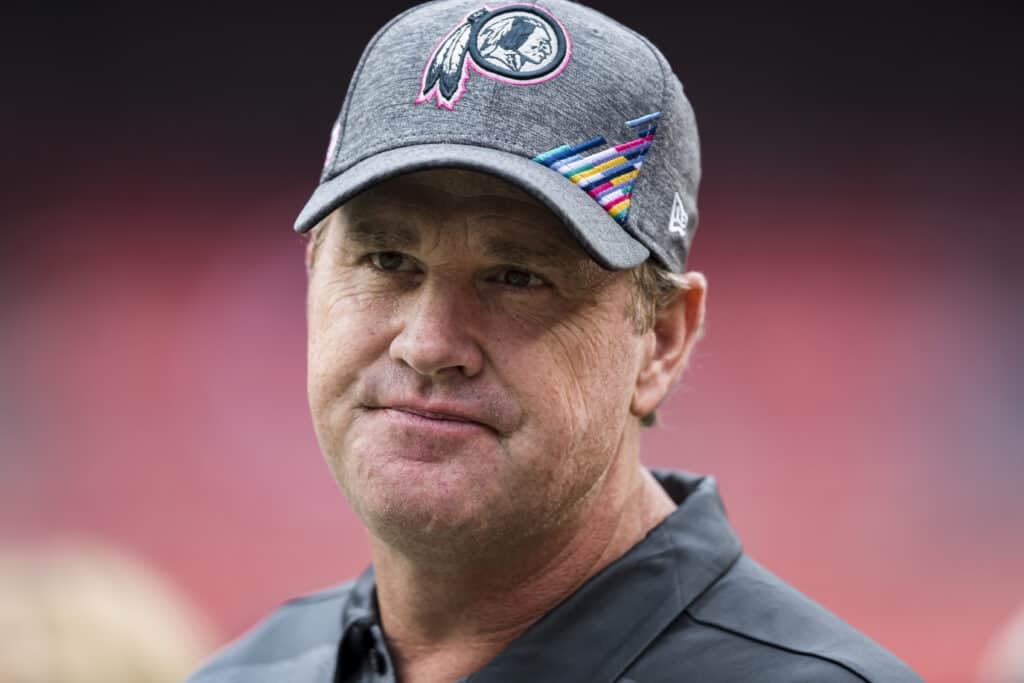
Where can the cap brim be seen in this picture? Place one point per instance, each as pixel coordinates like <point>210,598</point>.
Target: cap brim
<point>601,236</point>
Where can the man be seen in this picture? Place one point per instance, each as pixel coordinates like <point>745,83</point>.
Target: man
<point>497,303</point>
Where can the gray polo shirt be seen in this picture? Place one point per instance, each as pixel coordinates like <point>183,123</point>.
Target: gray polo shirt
<point>684,604</point>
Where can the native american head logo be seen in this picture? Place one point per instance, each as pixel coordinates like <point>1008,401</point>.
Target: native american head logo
<point>516,44</point>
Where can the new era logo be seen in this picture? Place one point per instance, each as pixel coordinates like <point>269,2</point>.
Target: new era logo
<point>679,220</point>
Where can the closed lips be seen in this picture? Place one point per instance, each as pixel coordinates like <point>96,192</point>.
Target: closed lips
<point>432,415</point>
<point>441,414</point>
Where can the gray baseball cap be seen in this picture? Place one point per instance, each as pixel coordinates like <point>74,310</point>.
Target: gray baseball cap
<point>581,112</point>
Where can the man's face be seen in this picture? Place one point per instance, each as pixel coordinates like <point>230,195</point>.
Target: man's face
<point>537,47</point>
<point>470,367</point>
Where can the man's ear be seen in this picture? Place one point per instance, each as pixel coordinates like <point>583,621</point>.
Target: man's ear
<point>676,330</point>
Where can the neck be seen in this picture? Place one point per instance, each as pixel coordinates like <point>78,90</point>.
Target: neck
<point>445,622</point>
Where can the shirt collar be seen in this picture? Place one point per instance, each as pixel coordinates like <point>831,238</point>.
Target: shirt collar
<point>358,615</point>
<point>619,611</point>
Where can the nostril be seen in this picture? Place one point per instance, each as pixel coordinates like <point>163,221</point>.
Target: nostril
<point>437,352</point>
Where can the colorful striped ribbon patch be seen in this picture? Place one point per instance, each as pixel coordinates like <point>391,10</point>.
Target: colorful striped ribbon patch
<point>606,174</point>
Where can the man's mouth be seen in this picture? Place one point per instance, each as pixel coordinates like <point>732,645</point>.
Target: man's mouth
<point>448,418</point>
<point>432,415</point>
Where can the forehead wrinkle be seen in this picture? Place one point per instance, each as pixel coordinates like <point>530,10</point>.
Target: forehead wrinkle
<point>518,229</point>
<point>380,230</point>
<point>389,236</point>
<point>516,252</point>
<point>520,208</point>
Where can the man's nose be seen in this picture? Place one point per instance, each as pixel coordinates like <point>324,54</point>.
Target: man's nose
<point>436,337</point>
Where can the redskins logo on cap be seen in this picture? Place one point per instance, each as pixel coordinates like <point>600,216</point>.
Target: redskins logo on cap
<point>515,44</point>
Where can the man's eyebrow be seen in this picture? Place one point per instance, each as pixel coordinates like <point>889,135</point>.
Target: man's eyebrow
<point>548,255</point>
<point>381,233</point>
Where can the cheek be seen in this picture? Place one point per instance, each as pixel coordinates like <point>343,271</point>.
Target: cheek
<point>348,331</point>
<point>579,378</point>
<point>574,389</point>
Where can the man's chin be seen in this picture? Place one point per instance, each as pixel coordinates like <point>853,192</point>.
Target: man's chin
<point>431,504</point>
<point>428,523</point>
<point>416,483</point>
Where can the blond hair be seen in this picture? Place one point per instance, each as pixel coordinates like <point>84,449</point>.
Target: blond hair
<point>82,613</point>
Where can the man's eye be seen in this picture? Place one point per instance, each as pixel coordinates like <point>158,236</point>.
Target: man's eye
<point>392,261</point>
<point>519,278</point>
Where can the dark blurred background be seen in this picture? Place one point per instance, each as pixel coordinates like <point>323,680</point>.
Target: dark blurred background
<point>858,394</point>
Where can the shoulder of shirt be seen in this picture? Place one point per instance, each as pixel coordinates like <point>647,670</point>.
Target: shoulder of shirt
<point>751,607</point>
<point>300,628</point>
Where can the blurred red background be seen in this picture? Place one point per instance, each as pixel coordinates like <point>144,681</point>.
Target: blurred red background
<point>858,393</point>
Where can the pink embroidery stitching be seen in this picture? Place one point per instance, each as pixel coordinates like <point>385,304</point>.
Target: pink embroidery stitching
<point>506,44</point>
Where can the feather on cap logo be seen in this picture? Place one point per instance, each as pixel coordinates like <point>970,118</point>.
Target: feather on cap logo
<point>515,44</point>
